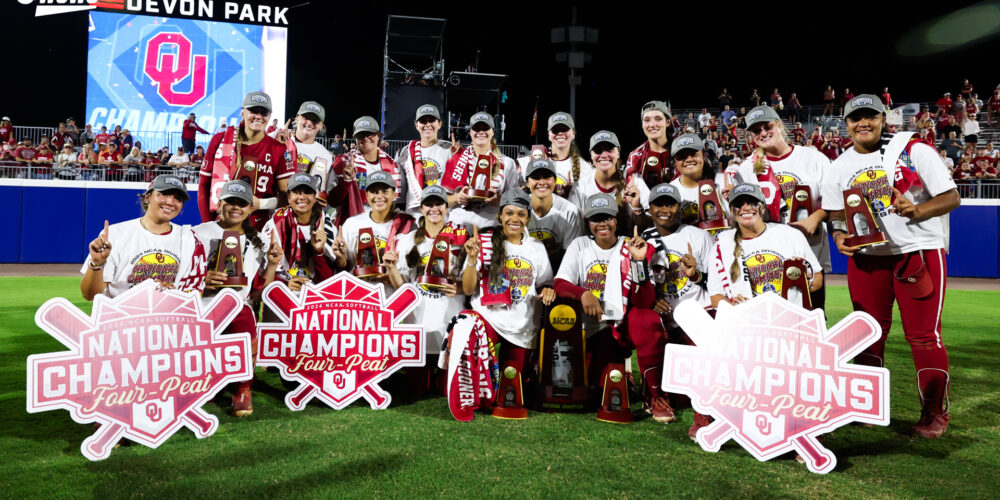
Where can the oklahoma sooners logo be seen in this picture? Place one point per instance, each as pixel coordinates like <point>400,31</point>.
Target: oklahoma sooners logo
<point>166,69</point>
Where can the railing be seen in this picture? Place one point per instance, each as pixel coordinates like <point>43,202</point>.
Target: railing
<point>79,172</point>
<point>33,133</point>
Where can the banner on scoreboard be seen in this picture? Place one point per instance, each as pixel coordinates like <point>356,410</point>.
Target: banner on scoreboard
<point>149,73</point>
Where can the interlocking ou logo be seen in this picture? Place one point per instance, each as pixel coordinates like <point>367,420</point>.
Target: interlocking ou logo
<point>166,69</point>
<point>153,412</point>
<point>763,425</point>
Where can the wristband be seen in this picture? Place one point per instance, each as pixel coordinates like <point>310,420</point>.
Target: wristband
<point>474,264</point>
<point>640,271</point>
<point>93,267</point>
<point>268,203</point>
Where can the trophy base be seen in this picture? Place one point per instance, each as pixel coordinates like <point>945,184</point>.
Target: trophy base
<point>863,241</point>
<point>479,195</point>
<point>510,413</point>
<point>576,401</point>
<point>234,282</point>
<point>433,281</point>
<point>365,272</point>
<point>615,417</point>
<point>713,225</point>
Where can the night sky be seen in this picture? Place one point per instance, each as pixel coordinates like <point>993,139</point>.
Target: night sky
<point>681,53</point>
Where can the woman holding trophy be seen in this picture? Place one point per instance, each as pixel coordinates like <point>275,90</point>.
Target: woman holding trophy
<point>478,175</point>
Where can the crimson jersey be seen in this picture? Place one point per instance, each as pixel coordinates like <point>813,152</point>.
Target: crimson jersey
<point>6,132</point>
<point>26,153</point>
<point>103,138</point>
<point>994,104</point>
<point>268,163</point>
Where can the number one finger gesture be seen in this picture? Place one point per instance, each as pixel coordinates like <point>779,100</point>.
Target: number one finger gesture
<point>319,236</point>
<point>637,245</point>
<point>100,248</point>
<point>689,264</point>
<point>274,253</point>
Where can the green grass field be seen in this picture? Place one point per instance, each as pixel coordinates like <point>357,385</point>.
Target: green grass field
<point>418,450</point>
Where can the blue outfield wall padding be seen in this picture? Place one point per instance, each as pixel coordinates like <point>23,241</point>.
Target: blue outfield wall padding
<point>44,237</point>
<point>10,205</point>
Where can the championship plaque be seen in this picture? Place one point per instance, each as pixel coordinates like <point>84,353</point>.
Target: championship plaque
<point>802,203</point>
<point>438,263</point>
<point>614,401</point>
<point>861,221</point>
<point>710,214</point>
<point>229,260</point>
<point>652,170</point>
<point>538,151</point>
<point>479,183</point>
<point>562,358</point>
<point>247,172</point>
<point>793,275</point>
<point>510,399</point>
<point>368,261</point>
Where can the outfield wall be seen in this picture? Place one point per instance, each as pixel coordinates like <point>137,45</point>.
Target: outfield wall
<point>52,221</point>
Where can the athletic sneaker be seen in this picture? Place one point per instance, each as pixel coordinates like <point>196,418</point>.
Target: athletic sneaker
<point>243,400</point>
<point>931,425</point>
<point>660,408</point>
<point>699,422</point>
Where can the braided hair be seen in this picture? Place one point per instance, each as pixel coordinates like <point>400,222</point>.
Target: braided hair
<point>413,257</point>
<point>499,258</point>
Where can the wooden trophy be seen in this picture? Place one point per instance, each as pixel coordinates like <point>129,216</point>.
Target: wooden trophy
<point>438,263</point>
<point>510,399</point>
<point>247,172</point>
<point>538,151</point>
<point>652,170</point>
<point>802,203</point>
<point>562,358</point>
<point>368,261</point>
<point>479,183</point>
<point>230,260</point>
<point>861,221</point>
<point>710,214</point>
<point>614,401</point>
<point>794,276</point>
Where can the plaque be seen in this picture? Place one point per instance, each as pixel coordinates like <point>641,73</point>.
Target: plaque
<point>861,221</point>
<point>802,204</point>
<point>793,275</point>
<point>368,261</point>
<point>246,173</point>
<point>510,399</point>
<point>652,170</point>
<point>479,182</point>
<point>710,214</point>
<point>562,358</point>
<point>229,260</point>
<point>614,400</point>
<point>438,264</point>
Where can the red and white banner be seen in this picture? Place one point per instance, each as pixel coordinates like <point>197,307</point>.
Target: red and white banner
<point>141,365</point>
<point>339,339</point>
<point>775,378</point>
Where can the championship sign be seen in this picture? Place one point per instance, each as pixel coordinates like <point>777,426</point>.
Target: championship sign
<point>775,378</point>
<point>141,365</point>
<point>339,339</point>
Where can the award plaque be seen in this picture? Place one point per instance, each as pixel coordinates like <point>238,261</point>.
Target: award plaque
<point>479,183</point>
<point>861,221</point>
<point>510,399</point>
<point>368,261</point>
<point>438,263</point>
<point>562,358</point>
<point>247,172</point>
<point>710,214</point>
<point>802,204</point>
<point>614,401</point>
<point>652,170</point>
<point>793,275</point>
<point>229,260</point>
<point>538,151</point>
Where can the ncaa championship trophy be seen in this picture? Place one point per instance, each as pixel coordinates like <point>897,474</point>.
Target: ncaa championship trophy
<point>562,358</point>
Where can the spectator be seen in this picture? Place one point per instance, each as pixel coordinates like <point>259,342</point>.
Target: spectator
<point>993,106</point>
<point>127,142</point>
<point>754,99</point>
<point>828,97</point>
<point>7,152</point>
<point>727,116</point>
<point>830,146</point>
<point>65,166</point>
<point>188,134</point>
<point>182,165</point>
<point>993,153</point>
<point>725,100</point>
<point>927,136</point>
<point>948,162</point>
<point>966,91</point>
<point>150,166</point>
<point>111,160</point>
<point>779,107</point>
<point>816,138</point>
<point>972,106</point>
<point>950,127</point>
<point>87,158</point>
<point>690,122</point>
<point>25,153</point>
<point>73,130</point>
<point>703,118</point>
<point>798,133</point>
<point>774,98</point>
<point>58,136</point>
<point>104,137</point>
<point>272,127</point>
<point>198,157</point>
<point>958,111</point>
<point>944,104</point>
<point>337,147</point>
<point>6,129</point>
<point>886,98</point>
<point>133,165</point>
<point>964,170</point>
<point>740,122</point>
<point>971,130</point>
<point>794,108</point>
<point>844,98</point>
<point>43,161</point>
<point>87,135</point>
<point>953,146</point>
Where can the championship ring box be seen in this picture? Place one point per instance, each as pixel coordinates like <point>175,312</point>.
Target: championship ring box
<point>614,400</point>
<point>229,260</point>
<point>438,263</point>
<point>479,183</point>
<point>510,399</point>
<point>562,358</point>
<point>652,170</point>
<point>710,214</point>
<point>538,151</point>
<point>802,204</point>
<point>861,221</point>
<point>368,260</point>
<point>793,275</point>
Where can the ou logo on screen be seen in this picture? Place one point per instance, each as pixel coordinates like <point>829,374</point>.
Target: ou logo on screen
<point>166,69</point>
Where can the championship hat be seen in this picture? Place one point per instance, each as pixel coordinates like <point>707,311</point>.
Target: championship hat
<point>238,189</point>
<point>313,107</point>
<point>434,191</point>
<point>664,190</point>
<point>686,141</point>
<point>751,190</point>
<point>761,114</point>
<point>655,106</point>
<point>517,198</point>
<point>165,182</point>
<point>428,110</point>
<point>561,118</point>
<point>600,204</point>
<point>310,181</point>
<point>540,164</point>
<point>864,101</point>
<point>604,136</point>
<point>365,124</point>
<point>257,100</point>
<point>380,177</point>
<point>481,117</point>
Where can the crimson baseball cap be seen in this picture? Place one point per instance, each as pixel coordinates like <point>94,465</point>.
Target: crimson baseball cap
<point>164,183</point>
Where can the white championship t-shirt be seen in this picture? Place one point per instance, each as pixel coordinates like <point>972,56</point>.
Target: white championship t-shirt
<point>671,283</point>
<point>434,159</point>
<point>690,199</point>
<point>481,214</point>
<point>254,259</point>
<point>564,169</point>
<point>558,227</point>
<point>586,264</point>
<point>435,309</point>
<point>308,154</point>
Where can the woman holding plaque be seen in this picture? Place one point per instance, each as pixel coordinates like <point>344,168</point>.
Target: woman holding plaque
<point>795,174</point>
<point>908,189</point>
<point>310,157</point>
<point>651,160</point>
<point>150,247</point>
<point>570,166</point>
<point>234,241</point>
<point>554,220</point>
<point>429,257</point>
<point>348,180</point>
<point>423,161</point>
<point>630,195</point>
<point>688,154</point>
<point>478,176</point>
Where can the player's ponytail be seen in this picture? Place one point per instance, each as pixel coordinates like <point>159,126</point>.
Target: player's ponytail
<point>251,233</point>
<point>499,258</point>
<point>619,179</point>
<point>240,137</point>
<point>574,154</point>
<point>413,256</point>
<point>734,270</point>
